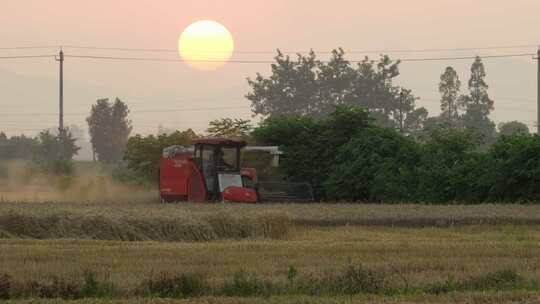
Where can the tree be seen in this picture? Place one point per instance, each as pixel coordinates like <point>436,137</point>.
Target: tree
<point>513,128</point>
<point>310,145</point>
<point>449,88</point>
<point>54,153</point>
<point>164,130</point>
<point>310,87</point>
<point>17,147</point>
<point>416,121</point>
<point>336,79</point>
<point>228,127</point>
<point>407,117</point>
<point>144,153</point>
<point>449,168</point>
<point>378,164</point>
<point>516,169</point>
<point>292,89</point>
<point>478,106</point>
<point>109,129</point>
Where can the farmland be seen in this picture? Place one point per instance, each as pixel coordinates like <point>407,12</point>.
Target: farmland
<point>412,248</point>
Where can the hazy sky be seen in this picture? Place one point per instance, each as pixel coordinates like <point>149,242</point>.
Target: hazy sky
<point>29,88</point>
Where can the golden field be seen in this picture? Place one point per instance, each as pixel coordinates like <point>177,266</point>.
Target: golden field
<point>411,245</point>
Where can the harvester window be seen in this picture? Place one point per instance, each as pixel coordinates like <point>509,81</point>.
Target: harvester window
<point>227,159</point>
<point>208,168</point>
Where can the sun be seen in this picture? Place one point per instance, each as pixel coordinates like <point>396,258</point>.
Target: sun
<point>206,45</point>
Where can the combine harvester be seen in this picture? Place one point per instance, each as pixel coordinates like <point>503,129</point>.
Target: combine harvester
<point>211,171</point>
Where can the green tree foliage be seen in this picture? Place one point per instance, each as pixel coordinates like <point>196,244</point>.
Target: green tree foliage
<point>143,153</point>
<point>478,105</point>
<point>290,90</point>
<point>54,153</point>
<point>309,87</point>
<point>109,129</point>
<point>408,119</point>
<point>17,147</point>
<point>347,157</point>
<point>416,122</point>
<point>376,165</point>
<point>515,174</point>
<point>449,88</point>
<point>449,168</point>
<point>513,128</point>
<point>311,146</point>
<point>229,127</point>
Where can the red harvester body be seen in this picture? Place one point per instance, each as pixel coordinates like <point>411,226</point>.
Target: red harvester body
<point>211,171</point>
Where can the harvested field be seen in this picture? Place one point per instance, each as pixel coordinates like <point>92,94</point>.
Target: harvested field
<point>205,222</point>
<point>418,250</point>
<point>420,255</point>
<point>148,228</point>
<point>465,298</point>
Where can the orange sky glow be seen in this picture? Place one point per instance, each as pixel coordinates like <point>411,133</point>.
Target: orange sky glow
<point>28,94</point>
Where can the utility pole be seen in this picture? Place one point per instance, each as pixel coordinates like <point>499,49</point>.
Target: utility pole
<point>538,96</point>
<point>61,93</point>
<point>60,59</point>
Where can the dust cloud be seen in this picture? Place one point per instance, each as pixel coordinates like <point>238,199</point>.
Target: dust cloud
<point>19,182</point>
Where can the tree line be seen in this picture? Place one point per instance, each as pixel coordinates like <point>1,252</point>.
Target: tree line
<point>309,87</point>
<point>327,115</point>
<point>51,153</point>
<point>346,156</point>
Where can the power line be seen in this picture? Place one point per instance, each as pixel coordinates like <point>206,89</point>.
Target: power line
<point>158,50</point>
<point>166,60</point>
<point>31,47</point>
<point>154,59</point>
<point>26,56</point>
<point>466,57</point>
<point>424,50</point>
<point>136,112</point>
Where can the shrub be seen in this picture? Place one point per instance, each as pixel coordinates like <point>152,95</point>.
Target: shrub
<point>92,288</point>
<point>448,285</point>
<point>497,280</point>
<point>291,274</point>
<point>354,280</point>
<point>54,153</point>
<point>53,289</point>
<point>244,285</point>
<point>376,165</point>
<point>143,153</point>
<point>5,286</point>
<point>516,168</point>
<point>310,146</point>
<point>174,286</point>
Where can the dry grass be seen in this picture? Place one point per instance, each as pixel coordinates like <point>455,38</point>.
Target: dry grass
<point>147,228</point>
<point>208,222</point>
<point>438,242</point>
<point>304,214</point>
<point>461,298</point>
<point>418,255</point>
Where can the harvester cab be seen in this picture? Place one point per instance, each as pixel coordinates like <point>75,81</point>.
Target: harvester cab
<point>211,171</point>
<point>219,162</point>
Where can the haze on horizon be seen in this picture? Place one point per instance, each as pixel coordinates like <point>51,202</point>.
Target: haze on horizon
<point>29,88</point>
